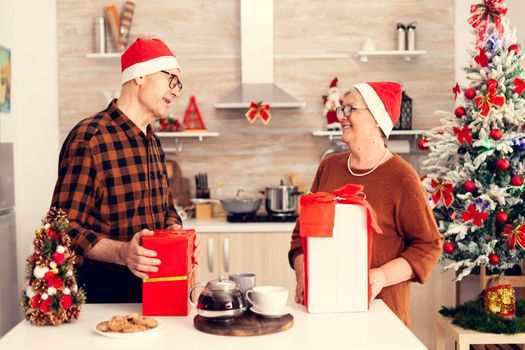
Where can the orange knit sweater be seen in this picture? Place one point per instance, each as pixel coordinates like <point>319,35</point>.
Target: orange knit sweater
<point>409,229</point>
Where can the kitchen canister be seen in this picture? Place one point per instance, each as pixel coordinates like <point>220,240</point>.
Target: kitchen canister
<point>401,37</point>
<point>100,35</point>
<point>411,36</point>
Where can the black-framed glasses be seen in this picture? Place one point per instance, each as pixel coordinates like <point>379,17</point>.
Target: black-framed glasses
<point>346,110</point>
<point>174,80</point>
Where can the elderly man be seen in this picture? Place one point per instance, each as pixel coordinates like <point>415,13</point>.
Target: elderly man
<point>112,179</point>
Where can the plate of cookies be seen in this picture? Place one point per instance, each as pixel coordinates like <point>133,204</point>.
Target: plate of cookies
<point>127,326</point>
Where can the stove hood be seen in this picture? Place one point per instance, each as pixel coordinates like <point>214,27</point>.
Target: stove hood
<point>257,82</point>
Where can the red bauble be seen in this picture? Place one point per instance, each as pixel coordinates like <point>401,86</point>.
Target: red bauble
<point>470,93</point>
<point>494,259</point>
<point>516,180</point>
<point>52,234</point>
<point>35,301</point>
<point>59,258</point>
<point>502,217</point>
<point>55,282</point>
<point>495,134</point>
<point>449,247</point>
<point>514,48</point>
<point>492,82</point>
<point>66,301</point>
<point>460,112</point>
<point>502,164</point>
<point>46,305</point>
<point>469,186</point>
<point>421,143</point>
<point>49,275</point>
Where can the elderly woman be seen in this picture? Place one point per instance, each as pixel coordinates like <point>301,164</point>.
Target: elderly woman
<point>410,244</point>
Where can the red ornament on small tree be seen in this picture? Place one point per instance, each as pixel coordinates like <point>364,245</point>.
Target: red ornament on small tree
<point>469,186</point>
<point>449,247</point>
<point>421,143</point>
<point>496,134</point>
<point>515,48</point>
<point>502,164</point>
<point>502,217</point>
<point>470,93</point>
<point>494,259</point>
<point>516,180</point>
<point>460,112</point>
<point>492,82</point>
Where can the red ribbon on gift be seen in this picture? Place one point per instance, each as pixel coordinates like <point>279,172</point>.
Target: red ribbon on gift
<point>476,217</point>
<point>463,134</point>
<point>317,220</point>
<point>456,90</point>
<point>486,102</point>
<point>519,86</point>
<point>515,235</point>
<point>443,190</point>
<point>481,13</point>
<point>259,109</point>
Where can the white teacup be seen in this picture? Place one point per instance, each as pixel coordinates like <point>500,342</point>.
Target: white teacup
<point>267,299</point>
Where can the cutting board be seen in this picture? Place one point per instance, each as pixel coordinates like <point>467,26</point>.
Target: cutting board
<point>248,324</point>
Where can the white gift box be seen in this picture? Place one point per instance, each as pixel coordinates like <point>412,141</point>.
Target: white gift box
<point>337,266</point>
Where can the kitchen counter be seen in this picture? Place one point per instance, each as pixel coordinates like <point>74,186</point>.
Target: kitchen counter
<point>220,225</point>
<point>377,329</point>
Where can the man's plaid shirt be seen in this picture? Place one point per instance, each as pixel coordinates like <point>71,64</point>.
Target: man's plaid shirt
<point>112,181</point>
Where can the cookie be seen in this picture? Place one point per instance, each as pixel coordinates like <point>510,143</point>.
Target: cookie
<point>131,317</point>
<point>103,326</point>
<point>117,323</point>
<point>132,328</point>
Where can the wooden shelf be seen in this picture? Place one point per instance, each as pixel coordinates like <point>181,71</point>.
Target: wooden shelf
<point>104,55</point>
<point>196,134</point>
<point>406,54</point>
<point>337,134</point>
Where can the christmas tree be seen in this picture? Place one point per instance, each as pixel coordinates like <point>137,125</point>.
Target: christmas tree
<point>476,160</point>
<point>52,296</point>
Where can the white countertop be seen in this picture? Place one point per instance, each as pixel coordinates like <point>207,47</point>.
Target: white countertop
<point>377,329</point>
<point>220,225</point>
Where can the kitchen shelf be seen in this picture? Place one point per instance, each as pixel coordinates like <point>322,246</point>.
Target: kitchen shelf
<point>104,55</point>
<point>181,134</point>
<point>406,54</point>
<point>337,134</point>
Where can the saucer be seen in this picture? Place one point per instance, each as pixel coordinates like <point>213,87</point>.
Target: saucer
<point>285,310</point>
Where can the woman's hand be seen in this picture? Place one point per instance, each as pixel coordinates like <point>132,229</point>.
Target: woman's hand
<point>298,264</point>
<point>377,281</point>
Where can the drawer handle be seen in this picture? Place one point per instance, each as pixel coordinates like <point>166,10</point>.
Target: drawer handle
<point>226,256</point>
<point>210,255</point>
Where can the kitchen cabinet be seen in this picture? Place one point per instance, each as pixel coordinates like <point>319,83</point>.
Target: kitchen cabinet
<point>265,254</point>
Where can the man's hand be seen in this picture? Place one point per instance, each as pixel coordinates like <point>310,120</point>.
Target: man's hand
<point>138,259</point>
<point>197,243</point>
<point>298,264</point>
<point>377,281</point>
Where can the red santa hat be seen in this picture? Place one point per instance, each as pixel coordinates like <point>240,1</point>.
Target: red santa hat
<point>146,56</point>
<point>333,84</point>
<point>383,100</point>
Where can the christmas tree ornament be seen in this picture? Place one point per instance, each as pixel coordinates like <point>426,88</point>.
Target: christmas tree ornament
<point>460,112</point>
<point>516,180</point>
<point>443,190</point>
<point>492,83</point>
<point>192,116</point>
<point>482,14</point>
<point>469,186</point>
<point>463,134</point>
<point>474,215</point>
<point>503,164</point>
<point>515,235</point>
<point>514,48</point>
<point>421,144</point>
<point>519,86</point>
<point>259,109</point>
<point>470,93</point>
<point>485,102</point>
<point>45,300</point>
<point>500,297</point>
<point>482,59</point>
<point>495,134</point>
<point>502,217</point>
<point>456,90</point>
<point>494,259</point>
<point>449,247</point>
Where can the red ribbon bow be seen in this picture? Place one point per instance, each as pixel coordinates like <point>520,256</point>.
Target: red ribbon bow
<point>456,90</point>
<point>515,235</point>
<point>486,102</point>
<point>476,217</point>
<point>349,194</point>
<point>259,109</point>
<point>519,86</point>
<point>482,59</point>
<point>443,190</point>
<point>481,13</point>
<point>463,134</point>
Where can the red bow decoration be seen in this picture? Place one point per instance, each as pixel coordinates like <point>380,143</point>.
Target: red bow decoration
<point>259,109</point>
<point>515,235</point>
<point>463,134</point>
<point>443,190</point>
<point>456,90</point>
<point>486,102</point>
<point>349,194</point>
<point>476,217</point>
<point>482,59</point>
<point>493,9</point>
<point>519,86</point>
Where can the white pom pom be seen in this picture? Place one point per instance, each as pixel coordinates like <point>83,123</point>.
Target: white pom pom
<point>66,291</point>
<point>30,292</point>
<point>47,226</point>
<point>52,264</point>
<point>69,273</point>
<point>51,291</point>
<point>40,272</point>
<point>44,296</point>
<point>74,288</point>
<point>60,249</point>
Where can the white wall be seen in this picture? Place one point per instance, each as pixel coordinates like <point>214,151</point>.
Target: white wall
<point>28,28</point>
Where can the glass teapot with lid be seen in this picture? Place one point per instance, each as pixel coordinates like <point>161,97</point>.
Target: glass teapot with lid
<point>220,299</point>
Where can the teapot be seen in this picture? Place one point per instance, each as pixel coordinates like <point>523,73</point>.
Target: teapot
<point>220,300</point>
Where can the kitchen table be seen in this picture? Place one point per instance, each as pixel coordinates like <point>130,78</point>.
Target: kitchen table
<point>377,329</point>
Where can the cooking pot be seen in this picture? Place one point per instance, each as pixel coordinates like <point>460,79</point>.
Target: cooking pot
<point>241,204</point>
<point>281,199</point>
<point>220,300</point>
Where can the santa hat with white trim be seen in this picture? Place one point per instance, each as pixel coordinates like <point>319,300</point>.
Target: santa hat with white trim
<point>146,56</point>
<point>383,100</point>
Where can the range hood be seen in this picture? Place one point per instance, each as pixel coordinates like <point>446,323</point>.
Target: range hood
<point>257,61</point>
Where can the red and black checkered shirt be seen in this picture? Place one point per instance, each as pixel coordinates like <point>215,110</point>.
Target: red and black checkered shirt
<point>112,181</point>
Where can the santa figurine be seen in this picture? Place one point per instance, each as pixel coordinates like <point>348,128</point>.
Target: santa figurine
<point>331,102</point>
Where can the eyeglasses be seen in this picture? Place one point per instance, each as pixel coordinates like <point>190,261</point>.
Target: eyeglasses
<point>346,110</point>
<point>174,80</point>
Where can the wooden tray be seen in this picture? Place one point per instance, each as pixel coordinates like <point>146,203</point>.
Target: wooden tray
<point>248,324</point>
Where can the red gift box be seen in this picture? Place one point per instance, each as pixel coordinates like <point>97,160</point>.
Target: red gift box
<point>165,292</point>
